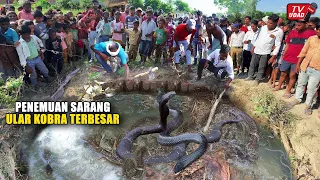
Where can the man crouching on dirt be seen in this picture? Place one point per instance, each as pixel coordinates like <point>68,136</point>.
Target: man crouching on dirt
<point>105,50</point>
<point>220,63</point>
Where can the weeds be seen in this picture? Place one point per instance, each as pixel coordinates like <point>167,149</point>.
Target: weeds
<point>266,104</point>
<point>9,91</point>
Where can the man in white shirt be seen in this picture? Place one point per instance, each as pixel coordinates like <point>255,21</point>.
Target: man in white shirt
<point>220,63</point>
<point>148,28</point>
<point>236,44</point>
<point>248,40</point>
<point>269,35</point>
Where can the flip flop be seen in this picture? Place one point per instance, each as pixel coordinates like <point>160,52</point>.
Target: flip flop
<point>293,103</point>
<point>287,96</point>
<point>308,111</point>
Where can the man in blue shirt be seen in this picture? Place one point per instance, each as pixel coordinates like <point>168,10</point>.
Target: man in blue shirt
<point>10,34</point>
<point>105,50</point>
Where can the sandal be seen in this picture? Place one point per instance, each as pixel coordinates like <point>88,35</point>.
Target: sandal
<point>308,111</point>
<point>293,103</point>
<point>287,96</point>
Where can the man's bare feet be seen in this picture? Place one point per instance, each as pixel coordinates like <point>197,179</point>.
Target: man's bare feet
<point>287,95</point>
<point>276,88</point>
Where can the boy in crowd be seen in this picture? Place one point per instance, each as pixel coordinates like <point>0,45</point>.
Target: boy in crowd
<point>294,44</point>
<point>30,54</point>
<point>118,29</point>
<point>55,44</point>
<point>130,19</point>
<point>171,30</point>
<point>75,38</point>
<point>40,29</point>
<point>12,16</point>
<point>26,13</point>
<point>69,42</point>
<point>134,40</point>
<point>104,27</point>
<point>10,34</point>
<point>236,44</point>
<point>62,36</point>
<point>161,35</point>
<point>308,67</point>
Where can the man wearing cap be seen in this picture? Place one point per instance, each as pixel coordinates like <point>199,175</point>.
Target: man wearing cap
<point>294,44</point>
<point>236,44</point>
<point>220,63</point>
<point>105,50</point>
<point>180,38</point>
<point>139,14</point>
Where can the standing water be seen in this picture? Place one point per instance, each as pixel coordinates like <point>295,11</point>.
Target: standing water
<point>59,152</point>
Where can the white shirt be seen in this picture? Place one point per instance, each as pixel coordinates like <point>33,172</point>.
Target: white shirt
<point>23,49</point>
<point>267,39</point>
<point>147,28</point>
<point>226,64</point>
<point>236,39</point>
<point>252,36</point>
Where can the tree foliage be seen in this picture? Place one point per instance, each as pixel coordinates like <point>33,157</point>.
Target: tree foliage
<point>136,3</point>
<point>238,6</point>
<point>182,6</point>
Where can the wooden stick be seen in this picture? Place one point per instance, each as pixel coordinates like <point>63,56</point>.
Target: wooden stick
<point>145,73</point>
<point>213,110</point>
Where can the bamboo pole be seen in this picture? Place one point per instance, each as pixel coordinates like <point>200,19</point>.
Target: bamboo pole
<point>213,110</point>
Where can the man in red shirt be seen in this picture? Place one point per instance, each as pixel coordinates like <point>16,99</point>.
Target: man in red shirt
<point>294,44</point>
<point>181,38</point>
<point>95,16</point>
<point>246,26</point>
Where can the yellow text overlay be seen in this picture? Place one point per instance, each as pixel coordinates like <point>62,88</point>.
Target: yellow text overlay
<point>79,119</point>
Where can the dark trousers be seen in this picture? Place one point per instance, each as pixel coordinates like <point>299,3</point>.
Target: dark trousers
<point>246,56</point>
<point>258,63</point>
<point>145,47</point>
<point>219,73</point>
<point>57,63</point>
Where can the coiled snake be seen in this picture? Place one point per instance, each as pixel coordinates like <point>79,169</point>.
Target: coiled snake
<point>181,141</point>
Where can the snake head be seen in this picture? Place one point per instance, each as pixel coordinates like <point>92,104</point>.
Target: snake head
<point>166,97</point>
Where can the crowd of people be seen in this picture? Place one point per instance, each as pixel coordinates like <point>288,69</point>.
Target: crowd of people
<point>262,48</point>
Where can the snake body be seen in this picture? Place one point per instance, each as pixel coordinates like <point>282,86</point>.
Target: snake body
<point>179,142</point>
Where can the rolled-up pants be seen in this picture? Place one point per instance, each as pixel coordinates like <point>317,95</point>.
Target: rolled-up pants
<point>92,40</point>
<point>37,63</point>
<point>311,77</point>
<point>185,44</point>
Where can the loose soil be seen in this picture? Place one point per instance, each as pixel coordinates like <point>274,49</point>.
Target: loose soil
<point>300,137</point>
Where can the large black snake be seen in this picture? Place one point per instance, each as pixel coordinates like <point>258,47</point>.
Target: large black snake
<point>181,141</point>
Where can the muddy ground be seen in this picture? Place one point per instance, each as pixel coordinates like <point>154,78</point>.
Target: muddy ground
<point>298,134</point>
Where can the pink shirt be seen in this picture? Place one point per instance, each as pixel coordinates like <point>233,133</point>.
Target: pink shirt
<point>117,27</point>
<point>123,17</point>
<point>27,16</point>
<point>63,36</point>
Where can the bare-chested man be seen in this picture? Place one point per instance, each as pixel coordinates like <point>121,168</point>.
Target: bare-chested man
<point>218,34</point>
